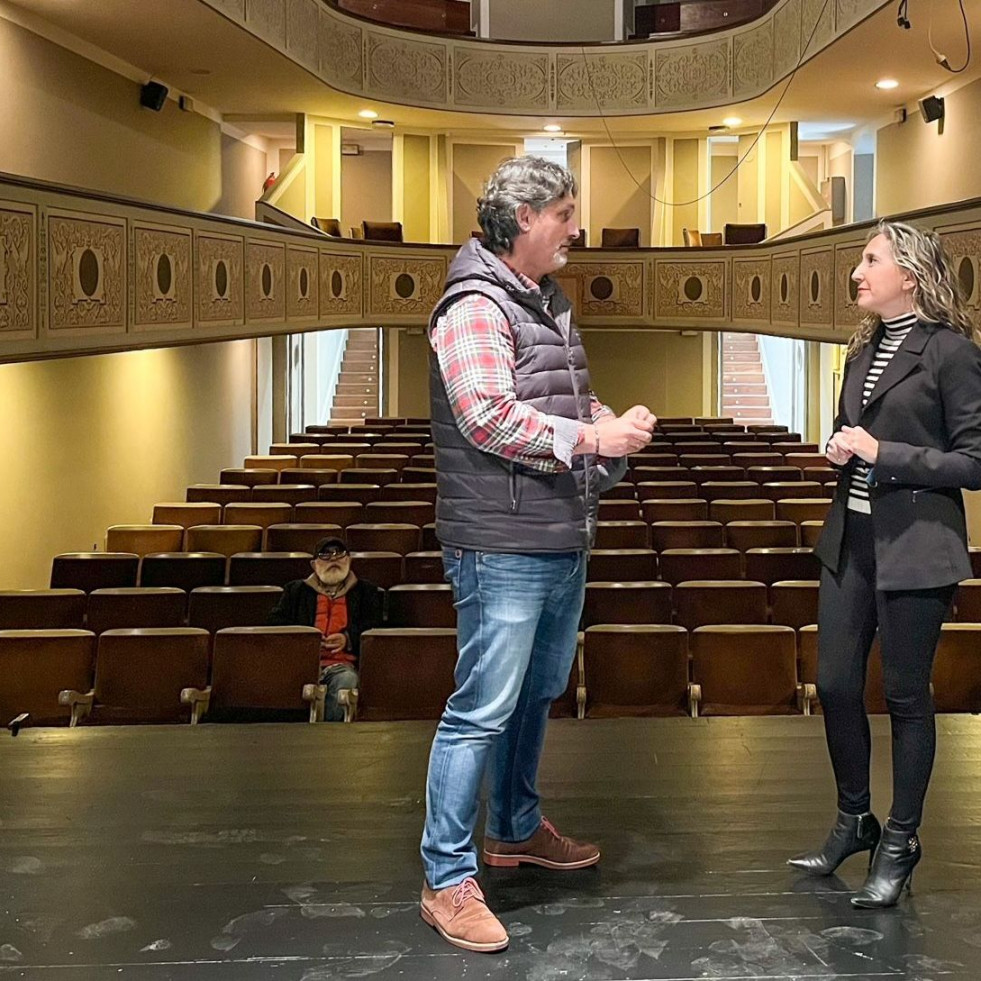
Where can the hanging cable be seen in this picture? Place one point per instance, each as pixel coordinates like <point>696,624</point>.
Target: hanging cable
<point>750,148</point>
<point>942,58</point>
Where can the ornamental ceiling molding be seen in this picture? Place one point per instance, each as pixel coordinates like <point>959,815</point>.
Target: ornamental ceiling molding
<point>628,79</point>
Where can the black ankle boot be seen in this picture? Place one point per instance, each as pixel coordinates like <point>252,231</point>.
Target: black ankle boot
<point>892,868</point>
<point>851,834</point>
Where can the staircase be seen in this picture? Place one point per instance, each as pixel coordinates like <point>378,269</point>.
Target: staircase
<point>356,394</point>
<point>744,393</point>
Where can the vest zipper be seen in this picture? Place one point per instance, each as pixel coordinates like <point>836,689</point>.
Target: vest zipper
<point>513,486</point>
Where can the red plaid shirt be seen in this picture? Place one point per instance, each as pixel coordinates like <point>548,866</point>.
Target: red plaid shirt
<point>474,346</point>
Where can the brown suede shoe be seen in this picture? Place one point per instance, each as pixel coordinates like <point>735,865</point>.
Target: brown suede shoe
<point>461,917</point>
<point>546,847</point>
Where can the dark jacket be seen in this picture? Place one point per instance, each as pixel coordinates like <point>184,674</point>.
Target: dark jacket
<point>485,501</point>
<point>298,607</point>
<point>925,411</point>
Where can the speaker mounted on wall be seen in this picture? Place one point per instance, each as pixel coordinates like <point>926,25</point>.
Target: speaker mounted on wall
<point>153,95</point>
<point>932,108</point>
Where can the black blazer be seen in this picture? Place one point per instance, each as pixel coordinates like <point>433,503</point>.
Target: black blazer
<point>925,411</point>
<point>298,606</point>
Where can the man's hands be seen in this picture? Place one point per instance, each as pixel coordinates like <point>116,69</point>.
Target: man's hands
<point>622,435</point>
<point>335,643</point>
<point>852,441</point>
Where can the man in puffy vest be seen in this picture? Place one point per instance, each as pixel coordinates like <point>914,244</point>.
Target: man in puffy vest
<point>523,449</point>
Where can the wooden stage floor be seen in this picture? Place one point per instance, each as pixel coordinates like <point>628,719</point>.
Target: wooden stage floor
<point>291,852</point>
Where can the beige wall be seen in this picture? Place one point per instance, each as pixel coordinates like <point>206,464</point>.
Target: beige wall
<point>725,198</point>
<point>580,20</point>
<point>660,369</point>
<point>615,199</point>
<point>243,169</point>
<point>324,161</point>
<point>366,188</point>
<point>777,162</point>
<point>472,164</point>
<point>906,153</point>
<point>95,441</point>
<point>415,188</point>
<point>747,178</point>
<point>684,188</point>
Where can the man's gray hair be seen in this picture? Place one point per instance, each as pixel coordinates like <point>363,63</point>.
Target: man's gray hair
<point>519,180</point>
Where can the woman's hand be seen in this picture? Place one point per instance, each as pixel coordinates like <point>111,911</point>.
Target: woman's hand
<point>837,450</point>
<point>863,444</point>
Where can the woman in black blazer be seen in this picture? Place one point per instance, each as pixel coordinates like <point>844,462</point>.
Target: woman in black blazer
<point>907,440</point>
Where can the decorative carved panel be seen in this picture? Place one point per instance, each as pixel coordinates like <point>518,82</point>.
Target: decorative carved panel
<point>816,25</point>
<point>220,279</point>
<point>231,8</point>
<point>404,285</point>
<point>696,73</point>
<point>610,289</point>
<point>693,290</point>
<point>784,289</point>
<point>406,70</point>
<point>817,287</point>
<point>341,287</point>
<point>850,12</point>
<point>18,259</point>
<point>265,274</point>
<point>962,243</point>
<point>86,272</point>
<point>786,38</point>
<point>607,82</point>
<point>751,290</point>
<point>302,20</point>
<point>340,51</point>
<point>302,284</point>
<point>162,281</point>
<point>267,19</point>
<point>493,79</point>
<point>847,313</point>
<point>752,60</point>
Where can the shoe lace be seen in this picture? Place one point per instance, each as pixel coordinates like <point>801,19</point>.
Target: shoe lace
<point>468,889</point>
<point>550,828</point>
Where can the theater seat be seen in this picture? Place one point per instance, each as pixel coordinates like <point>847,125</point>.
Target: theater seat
<point>683,564</point>
<point>382,231</point>
<point>729,490</point>
<point>686,534</point>
<point>664,490</point>
<point>621,534</point>
<point>139,676</point>
<point>94,570</point>
<point>619,510</point>
<point>342,513</point>
<point>698,603</point>
<point>217,494</point>
<point>185,515</point>
<point>967,601</point>
<point>399,512</point>
<point>804,509</point>
<point>268,568</point>
<point>36,665</point>
<point>262,514</point>
<point>634,670</point>
<point>391,537</point>
<point>748,509</point>
<point>745,535</point>
<point>366,475</point>
<point>810,532</point>
<point>384,569</point>
<point>621,565</point>
<point>421,605</point>
<point>424,567</point>
<point>744,670</point>
<point>294,537</point>
<point>405,673</point>
<point>311,475</point>
<point>784,490</point>
<point>213,608</point>
<point>409,492</point>
<point>957,668</point>
<point>771,565</point>
<point>348,493</point>
<point>224,539</point>
<point>248,477</point>
<point>261,674</point>
<point>271,461</point>
<point>681,509</point>
<point>131,607</point>
<point>42,609</point>
<point>626,602</point>
<point>183,570</point>
<point>620,238</point>
<point>142,539</point>
<point>291,494</point>
<point>794,602</point>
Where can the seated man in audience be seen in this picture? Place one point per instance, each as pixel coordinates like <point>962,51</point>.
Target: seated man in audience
<point>342,607</point>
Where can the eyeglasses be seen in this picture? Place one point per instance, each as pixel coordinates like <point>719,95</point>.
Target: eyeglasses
<point>332,553</point>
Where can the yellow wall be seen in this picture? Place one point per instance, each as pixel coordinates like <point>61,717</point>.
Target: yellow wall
<point>660,369</point>
<point>243,169</point>
<point>616,200</point>
<point>747,178</point>
<point>725,199</point>
<point>684,188</point>
<point>472,164</point>
<point>69,120</point>
<point>94,441</point>
<point>323,157</point>
<point>415,188</point>
<point>906,153</point>
<point>776,163</point>
<point>366,188</point>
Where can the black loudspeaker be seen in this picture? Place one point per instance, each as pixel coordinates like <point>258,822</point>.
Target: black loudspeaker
<point>153,95</point>
<point>932,108</point>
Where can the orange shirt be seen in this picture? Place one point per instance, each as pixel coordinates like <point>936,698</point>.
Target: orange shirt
<point>332,619</point>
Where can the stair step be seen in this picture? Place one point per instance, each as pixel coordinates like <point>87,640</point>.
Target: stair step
<point>342,414</point>
<point>346,401</point>
<point>743,378</point>
<point>758,399</point>
<point>356,388</point>
<point>358,376</point>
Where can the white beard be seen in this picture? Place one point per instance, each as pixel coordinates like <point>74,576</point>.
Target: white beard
<point>560,259</point>
<point>333,577</point>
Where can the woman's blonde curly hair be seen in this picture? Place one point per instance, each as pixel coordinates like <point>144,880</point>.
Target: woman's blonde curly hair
<point>937,296</point>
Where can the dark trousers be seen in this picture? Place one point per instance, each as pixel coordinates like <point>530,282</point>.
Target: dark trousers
<point>849,612</point>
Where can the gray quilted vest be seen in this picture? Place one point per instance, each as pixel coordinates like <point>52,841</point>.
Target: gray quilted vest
<point>484,501</point>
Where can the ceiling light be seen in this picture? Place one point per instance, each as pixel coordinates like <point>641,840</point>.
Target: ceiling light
<point>887,83</point>
<point>383,124</point>
<point>552,128</point>
<point>732,122</point>
<point>368,114</point>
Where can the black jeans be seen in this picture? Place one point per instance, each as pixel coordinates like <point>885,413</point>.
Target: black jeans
<point>850,610</point>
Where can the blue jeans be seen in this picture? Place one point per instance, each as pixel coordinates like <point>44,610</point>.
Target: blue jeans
<point>517,618</point>
<point>336,677</point>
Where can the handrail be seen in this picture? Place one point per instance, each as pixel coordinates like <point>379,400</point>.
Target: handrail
<point>90,272</point>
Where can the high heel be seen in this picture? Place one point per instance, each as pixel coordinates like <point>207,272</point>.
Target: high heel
<point>892,869</point>
<point>851,834</point>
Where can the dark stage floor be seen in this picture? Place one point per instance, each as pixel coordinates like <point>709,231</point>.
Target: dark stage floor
<point>290,852</point>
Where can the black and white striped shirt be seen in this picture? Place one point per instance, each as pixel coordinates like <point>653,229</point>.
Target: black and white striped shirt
<point>895,333</point>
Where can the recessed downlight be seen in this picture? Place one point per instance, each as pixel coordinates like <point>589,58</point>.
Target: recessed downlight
<point>368,114</point>
<point>552,128</point>
<point>886,84</point>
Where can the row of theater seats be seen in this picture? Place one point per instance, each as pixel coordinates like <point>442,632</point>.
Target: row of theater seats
<point>269,673</point>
